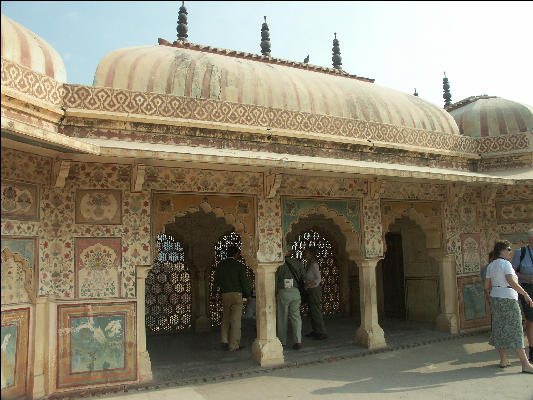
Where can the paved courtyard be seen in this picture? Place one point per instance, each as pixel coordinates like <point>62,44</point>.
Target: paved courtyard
<point>461,368</point>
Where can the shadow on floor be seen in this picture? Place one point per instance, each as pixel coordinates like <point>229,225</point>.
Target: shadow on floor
<point>189,355</point>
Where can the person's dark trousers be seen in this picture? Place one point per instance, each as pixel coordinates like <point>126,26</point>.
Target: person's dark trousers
<point>317,320</point>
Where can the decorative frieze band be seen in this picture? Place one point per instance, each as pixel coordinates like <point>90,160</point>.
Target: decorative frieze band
<point>128,102</point>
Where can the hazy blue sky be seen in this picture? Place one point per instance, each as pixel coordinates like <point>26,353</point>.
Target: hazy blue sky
<point>484,47</point>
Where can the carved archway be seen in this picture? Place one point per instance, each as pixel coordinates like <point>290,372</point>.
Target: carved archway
<point>229,218</point>
<point>353,238</point>
<point>340,232</point>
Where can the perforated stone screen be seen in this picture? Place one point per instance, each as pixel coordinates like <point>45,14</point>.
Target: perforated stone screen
<point>329,270</point>
<point>168,290</point>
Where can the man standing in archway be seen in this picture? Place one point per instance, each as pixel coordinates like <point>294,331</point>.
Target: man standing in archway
<point>313,279</point>
<point>231,278</point>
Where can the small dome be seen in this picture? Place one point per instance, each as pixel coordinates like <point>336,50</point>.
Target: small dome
<point>480,116</point>
<point>236,77</point>
<point>22,46</point>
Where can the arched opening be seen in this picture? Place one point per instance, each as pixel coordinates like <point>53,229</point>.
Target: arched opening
<point>329,269</point>
<point>408,276</point>
<point>336,268</point>
<point>188,248</point>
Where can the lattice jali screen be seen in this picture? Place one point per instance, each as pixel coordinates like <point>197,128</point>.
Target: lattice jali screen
<point>168,290</point>
<point>329,270</point>
<point>215,302</point>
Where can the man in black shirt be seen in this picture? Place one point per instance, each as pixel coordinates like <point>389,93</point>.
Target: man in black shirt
<point>231,278</point>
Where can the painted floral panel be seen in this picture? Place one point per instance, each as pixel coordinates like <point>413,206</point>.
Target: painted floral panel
<point>102,207</point>
<point>98,267</point>
<point>20,201</point>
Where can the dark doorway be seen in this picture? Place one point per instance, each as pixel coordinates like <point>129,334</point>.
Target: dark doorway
<point>393,277</point>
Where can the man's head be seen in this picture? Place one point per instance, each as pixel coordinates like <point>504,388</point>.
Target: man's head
<point>530,237</point>
<point>233,251</point>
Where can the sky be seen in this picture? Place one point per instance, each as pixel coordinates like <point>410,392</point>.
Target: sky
<point>484,47</point>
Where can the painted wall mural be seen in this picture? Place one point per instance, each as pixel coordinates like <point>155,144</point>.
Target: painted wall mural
<point>20,201</point>
<point>473,305</point>
<point>205,181</point>
<point>14,352</point>
<point>97,343</point>
<point>269,235</point>
<point>98,267</point>
<point>470,244</point>
<point>372,228</point>
<point>57,227</point>
<point>19,257</point>
<point>294,185</point>
<point>99,207</point>
<point>515,211</point>
<point>25,167</point>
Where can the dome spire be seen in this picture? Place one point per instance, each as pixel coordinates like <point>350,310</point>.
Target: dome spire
<point>415,93</point>
<point>182,23</point>
<point>265,39</point>
<point>306,59</point>
<point>447,96</point>
<point>337,59</point>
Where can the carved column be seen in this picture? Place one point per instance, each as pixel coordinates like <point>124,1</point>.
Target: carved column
<point>40,370</point>
<point>266,349</point>
<point>369,334</point>
<point>447,319</point>
<point>145,366</point>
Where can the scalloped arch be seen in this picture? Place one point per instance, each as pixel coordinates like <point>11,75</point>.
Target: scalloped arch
<point>353,239</point>
<point>411,213</point>
<point>246,238</point>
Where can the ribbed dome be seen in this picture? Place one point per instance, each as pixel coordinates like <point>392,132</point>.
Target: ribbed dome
<point>22,46</point>
<point>248,79</point>
<point>480,116</point>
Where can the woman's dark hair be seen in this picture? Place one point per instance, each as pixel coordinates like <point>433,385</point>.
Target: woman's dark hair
<point>491,255</point>
<point>499,246</point>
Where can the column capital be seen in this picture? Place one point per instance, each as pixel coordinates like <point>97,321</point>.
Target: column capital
<point>269,267</point>
<point>367,262</point>
<point>142,271</point>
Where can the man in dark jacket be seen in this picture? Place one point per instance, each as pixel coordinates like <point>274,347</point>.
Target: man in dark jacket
<point>231,278</point>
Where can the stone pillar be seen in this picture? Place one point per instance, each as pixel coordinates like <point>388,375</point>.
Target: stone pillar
<point>40,369</point>
<point>145,366</point>
<point>369,334</point>
<point>202,324</point>
<point>266,349</point>
<point>447,319</point>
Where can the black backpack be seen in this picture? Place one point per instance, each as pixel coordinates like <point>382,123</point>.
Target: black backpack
<point>522,256</point>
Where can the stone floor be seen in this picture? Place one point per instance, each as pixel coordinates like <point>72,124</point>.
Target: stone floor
<point>198,357</point>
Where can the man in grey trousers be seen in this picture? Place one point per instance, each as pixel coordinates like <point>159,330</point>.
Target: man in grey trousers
<point>288,300</point>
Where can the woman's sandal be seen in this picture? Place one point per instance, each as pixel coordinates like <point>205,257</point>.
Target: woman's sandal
<point>506,364</point>
<point>527,370</point>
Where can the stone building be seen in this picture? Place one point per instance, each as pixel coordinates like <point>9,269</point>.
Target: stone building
<point>178,149</point>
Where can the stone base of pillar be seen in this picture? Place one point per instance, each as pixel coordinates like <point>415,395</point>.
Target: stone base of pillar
<point>446,323</point>
<point>371,339</point>
<point>39,390</point>
<point>202,325</point>
<point>267,352</point>
<point>145,367</point>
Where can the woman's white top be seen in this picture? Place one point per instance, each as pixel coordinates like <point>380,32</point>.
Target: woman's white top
<point>496,271</point>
